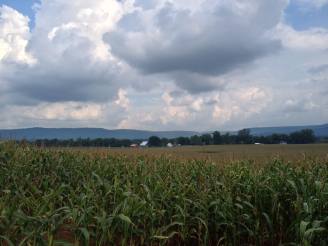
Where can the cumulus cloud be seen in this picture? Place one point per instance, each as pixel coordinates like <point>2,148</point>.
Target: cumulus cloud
<point>241,104</point>
<point>65,111</point>
<point>122,99</point>
<point>150,64</point>
<point>212,39</point>
<point>72,63</point>
<point>64,114</point>
<point>196,83</point>
<point>296,105</point>
<point>212,110</point>
<point>14,35</point>
<point>313,38</point>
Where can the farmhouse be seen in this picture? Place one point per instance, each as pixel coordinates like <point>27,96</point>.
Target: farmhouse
<point>170,145</point>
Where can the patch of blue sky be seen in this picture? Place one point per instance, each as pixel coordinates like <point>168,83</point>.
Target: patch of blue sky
<point>299,16</point>
<point>23,6</point>
<point>303,17</point>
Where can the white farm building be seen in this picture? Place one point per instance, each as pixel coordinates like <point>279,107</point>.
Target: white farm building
<point>144,144</point>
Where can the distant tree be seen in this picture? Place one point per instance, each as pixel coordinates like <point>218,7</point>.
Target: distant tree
<point>154,141</point>
<point>126,142</point>
<point>227,139</point>
<point>98,142</point>
<point>302,137</point>
<point>195,140</point>
<point>244,136</point>
<point>206,139</point>
<point>323,140</point>
<point>217,138</point>
<point>183,141</point>
<point>164,141</point>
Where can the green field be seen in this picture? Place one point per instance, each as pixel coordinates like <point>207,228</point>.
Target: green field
<point>220,195</point>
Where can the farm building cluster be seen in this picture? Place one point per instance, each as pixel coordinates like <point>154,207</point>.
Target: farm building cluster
<point>145,144</point>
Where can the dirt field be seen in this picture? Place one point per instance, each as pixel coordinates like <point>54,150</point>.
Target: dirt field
<point>229,153</point>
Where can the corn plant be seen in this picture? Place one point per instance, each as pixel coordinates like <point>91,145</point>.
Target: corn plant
<point>64,197</point>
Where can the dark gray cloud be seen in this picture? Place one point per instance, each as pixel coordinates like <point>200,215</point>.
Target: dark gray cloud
<point>196,83</point>
<point>210,42</point>
<point>63,82</point>
<point>213,57</point>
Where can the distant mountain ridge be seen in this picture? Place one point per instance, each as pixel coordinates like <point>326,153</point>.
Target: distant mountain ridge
<point>319,130</point>
<point>92,133</point>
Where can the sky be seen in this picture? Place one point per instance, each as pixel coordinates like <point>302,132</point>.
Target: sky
<point>163,64</point>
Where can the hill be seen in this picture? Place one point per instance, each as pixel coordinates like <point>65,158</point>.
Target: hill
<point>92,133</point>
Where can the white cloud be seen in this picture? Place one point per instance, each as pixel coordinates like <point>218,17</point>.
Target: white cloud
<point>213,109</point>
<point>66,111</point>
<point>63,114</point>
<point>87,20</point>
<point>73,61</point>
<point>123,100</point>
<point>314,38</point>
<point>296,105</point>
<point>14,36</point>
<point>240,104</point>
<point>174,111</point>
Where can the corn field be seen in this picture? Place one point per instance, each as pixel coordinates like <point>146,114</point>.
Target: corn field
<point>62,197</point>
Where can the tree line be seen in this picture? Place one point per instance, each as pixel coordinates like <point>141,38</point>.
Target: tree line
<point>305,136</point>
<point>244,136</point>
